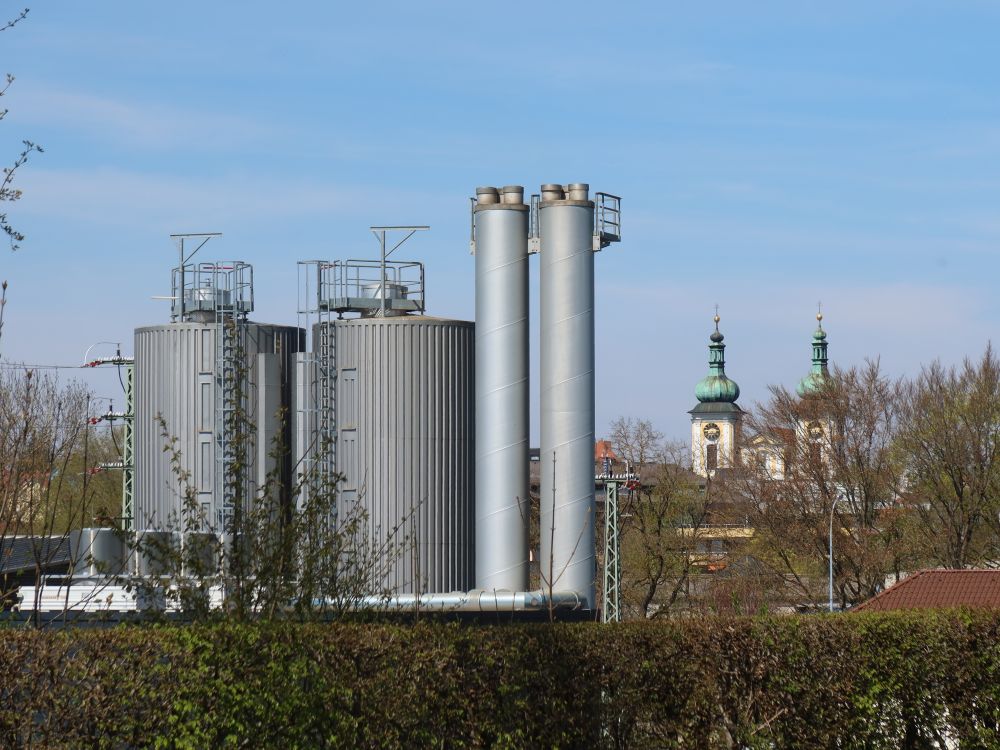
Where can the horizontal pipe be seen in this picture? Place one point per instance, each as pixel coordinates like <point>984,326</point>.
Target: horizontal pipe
<point>478,600</point>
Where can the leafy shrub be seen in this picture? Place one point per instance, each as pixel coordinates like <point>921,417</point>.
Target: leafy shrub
<point>865,681</point>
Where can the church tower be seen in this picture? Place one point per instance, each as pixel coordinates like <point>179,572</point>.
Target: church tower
<point>715,421</point>
<point>813,429</point>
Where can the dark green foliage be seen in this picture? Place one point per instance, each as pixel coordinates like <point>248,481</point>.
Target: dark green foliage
<point>854,681</point>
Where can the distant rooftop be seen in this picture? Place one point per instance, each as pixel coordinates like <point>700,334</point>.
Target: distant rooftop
<point>603,449</point>
<point>939,589</point>
<point>22,554</point>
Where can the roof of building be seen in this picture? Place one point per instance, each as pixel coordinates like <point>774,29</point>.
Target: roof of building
<point>717,408</point>
<point>603,449</point>
<point>939,589</point>
<point>22,553</point>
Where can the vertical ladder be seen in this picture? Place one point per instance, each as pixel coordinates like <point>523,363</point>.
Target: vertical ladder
<point>326,374</point>
<point>534,234</point>
<point>228,335</point>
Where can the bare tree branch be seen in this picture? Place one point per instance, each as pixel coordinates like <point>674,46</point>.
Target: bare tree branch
<point>16,20</point>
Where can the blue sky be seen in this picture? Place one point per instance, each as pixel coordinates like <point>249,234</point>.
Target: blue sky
<point>769,155</point>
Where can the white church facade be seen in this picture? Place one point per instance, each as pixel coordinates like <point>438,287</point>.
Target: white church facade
<point>717,439</point>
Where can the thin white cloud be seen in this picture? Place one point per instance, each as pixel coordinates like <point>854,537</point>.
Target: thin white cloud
<point>119,198</point>
<point>149,125</point>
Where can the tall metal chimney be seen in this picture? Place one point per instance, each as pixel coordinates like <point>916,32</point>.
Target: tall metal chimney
<point>501,247</point>
<point>566,229</point>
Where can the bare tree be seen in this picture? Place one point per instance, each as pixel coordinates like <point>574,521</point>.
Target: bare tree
<point>636,440</point>
<point>951,442</point>
<point>46,487</point>
<point>3,305</point>
<point>9,193</point>
<point>840,463</point>
<point>662,523</point>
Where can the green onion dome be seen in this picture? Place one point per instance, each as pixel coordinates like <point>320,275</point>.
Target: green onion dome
<point>816,381</point>
<point>716,388</point>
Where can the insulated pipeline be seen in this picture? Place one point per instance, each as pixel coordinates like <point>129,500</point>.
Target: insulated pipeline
<point>472,601</point>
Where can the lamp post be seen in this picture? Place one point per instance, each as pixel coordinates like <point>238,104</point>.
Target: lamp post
<point>832,508</point>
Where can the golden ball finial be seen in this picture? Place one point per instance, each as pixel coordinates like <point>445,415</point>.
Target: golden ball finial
<point>716,319</point>
<point>819,317</point>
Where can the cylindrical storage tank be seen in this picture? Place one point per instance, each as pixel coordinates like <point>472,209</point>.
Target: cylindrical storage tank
<point>202,554</point>
<point>176,381</point>
<point>502,414</point>
<point>99,551</point>
<point>405,426</point>
<point>566,391</point>
<point>159,552</point>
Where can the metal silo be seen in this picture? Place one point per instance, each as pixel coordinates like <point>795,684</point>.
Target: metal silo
<point>502,415</point>
<point>399,403</point>
<point>191,374</point>
<point>566,228</point>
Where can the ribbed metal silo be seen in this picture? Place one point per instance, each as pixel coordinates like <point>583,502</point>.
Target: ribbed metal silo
<point>405,428</point>
<point>566,391</point>
<point>502,415</point>
<point>179,368</point>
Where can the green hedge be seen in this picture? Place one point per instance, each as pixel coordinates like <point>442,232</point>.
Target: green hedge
<point>865,681</point>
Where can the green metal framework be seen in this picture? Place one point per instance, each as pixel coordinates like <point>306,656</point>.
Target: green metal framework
<point>612,610</point>
<point>128,451</point>
<point>127,463</point>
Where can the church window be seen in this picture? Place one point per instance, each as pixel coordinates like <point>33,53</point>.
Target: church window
<point>815,453</point>
<point>712,457</point>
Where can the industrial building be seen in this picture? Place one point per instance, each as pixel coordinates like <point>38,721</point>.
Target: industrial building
<point>421,421</point>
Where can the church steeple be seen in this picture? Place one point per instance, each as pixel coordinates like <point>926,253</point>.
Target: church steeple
<point>816,380</point>
<point>715,421</point>
<point>716,387</point>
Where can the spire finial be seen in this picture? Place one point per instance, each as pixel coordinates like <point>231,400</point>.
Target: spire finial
<point>716,388</point>
<point>814,382</point>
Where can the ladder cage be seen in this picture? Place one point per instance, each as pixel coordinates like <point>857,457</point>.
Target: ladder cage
<point>318,461</point>
<point>224,290</point>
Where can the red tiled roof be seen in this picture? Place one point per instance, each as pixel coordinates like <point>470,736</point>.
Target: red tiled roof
<point>939,589</point>
<point>603,449</point>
